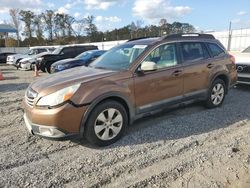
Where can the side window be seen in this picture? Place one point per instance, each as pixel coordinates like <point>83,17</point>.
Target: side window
<point>66,51</point>
<point>41,50</point>
<point>215,49</point>
<point>163,56</point>
<point>193,51</point>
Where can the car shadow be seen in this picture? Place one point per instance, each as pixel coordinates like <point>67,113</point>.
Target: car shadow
<point>13,87</point>
<point>184,121</point>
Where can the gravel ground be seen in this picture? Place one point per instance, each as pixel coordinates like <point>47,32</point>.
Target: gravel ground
<point>184,147</point>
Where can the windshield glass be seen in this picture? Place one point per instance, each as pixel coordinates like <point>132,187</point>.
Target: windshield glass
<point>247,50</point>
<point>84,55</point>
<point>57,51</point>
<point>30,52</point>
<point>119,58</point>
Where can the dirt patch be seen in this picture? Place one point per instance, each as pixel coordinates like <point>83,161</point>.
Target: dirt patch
<point>184,147</point>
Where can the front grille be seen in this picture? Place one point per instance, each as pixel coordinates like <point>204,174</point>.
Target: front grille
<point>241,68</point>
<point>30,97</point>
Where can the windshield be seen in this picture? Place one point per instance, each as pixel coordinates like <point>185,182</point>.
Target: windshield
<point>30,52</point>
<point>57,51</point>
<point>247,50</point>
<point>119,58</point>
<point>84,55</point>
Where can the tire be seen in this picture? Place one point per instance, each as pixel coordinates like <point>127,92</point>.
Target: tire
<point>43,68</point>
<point>18,64</point>
<point>216,94</point>
<point>48,69</point>
<point>100,129</point>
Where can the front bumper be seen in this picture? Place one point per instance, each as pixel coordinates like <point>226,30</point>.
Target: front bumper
<point>25,66</point>
<point>54,123</point>
<point>243,78</point>
<point>10,62</point>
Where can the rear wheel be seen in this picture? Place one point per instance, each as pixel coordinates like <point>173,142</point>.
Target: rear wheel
<point>216,94</point>
<point>106,123</point>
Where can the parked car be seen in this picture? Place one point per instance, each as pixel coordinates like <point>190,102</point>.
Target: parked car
<point>63,52</point>
<point>15,59</point>
<point>132,80</point>
<point>84,59</point>
<point>29,62</point>
<point>243,66</point>
<point>3,56</point>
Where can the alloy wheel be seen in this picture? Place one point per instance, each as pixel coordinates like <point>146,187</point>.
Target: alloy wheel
<point>108,124</point>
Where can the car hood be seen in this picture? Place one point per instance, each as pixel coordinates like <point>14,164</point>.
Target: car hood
<point>242,58</point>
<point>16,56</point>
<point>65,61</point>
<point>54,82</point>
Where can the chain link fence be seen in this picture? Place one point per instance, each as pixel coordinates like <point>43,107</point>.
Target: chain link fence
<point>236,40</point>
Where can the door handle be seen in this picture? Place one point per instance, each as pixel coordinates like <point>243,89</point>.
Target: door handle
<point>210,65</point>
<point>177,73</point>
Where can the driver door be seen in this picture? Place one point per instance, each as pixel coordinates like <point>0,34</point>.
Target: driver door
<point>163,86</point>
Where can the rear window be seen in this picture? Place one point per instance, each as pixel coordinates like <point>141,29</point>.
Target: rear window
<point>215,49</point>
<point>193,51</point>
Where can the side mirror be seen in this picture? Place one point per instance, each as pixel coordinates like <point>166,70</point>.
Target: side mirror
<point>148,66</point>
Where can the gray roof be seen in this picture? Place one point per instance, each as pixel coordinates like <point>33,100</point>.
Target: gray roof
<point>5,28</point>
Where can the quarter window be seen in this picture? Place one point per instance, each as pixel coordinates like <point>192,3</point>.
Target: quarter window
<point>215,49</point>
<point>193,51</point>
<point>163,56</point>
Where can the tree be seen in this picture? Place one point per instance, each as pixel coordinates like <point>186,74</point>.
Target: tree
<point>90,28</point>
<point>68,22</point>
<point>163,26</point>
<point>38,27</point>
<point>48,19</point>
<point>14,13</point>
<point>27,17</point>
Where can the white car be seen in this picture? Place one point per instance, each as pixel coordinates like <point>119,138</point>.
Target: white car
<point>242,61</point>
<point>14,59</point>
<point>29,62</point>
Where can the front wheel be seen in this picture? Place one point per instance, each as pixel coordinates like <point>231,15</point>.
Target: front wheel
<point>216,94</point>
<point>106,123</point>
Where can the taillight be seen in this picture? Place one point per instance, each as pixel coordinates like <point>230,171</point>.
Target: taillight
<point>232,58</point>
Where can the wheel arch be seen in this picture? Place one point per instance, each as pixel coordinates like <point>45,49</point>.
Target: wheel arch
<point>224,77</point>
<point>115,96</point>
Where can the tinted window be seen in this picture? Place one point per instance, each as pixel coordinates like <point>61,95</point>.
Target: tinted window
<point>193,51</point>
<point>67,50</point>
<point>41,50</point>
<point>215,49</point>
<point>163,56</point>
<point>247,50</point>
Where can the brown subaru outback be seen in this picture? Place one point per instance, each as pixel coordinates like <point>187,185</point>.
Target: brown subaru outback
<point>129,81</point>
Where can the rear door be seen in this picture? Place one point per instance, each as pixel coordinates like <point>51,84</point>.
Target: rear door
<point>196,68</point>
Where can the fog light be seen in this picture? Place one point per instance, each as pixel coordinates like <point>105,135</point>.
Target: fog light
<point>46,131</point>
<point>50,132</point>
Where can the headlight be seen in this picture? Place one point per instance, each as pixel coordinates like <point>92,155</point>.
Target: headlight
<point>58,97</point>
<point>61,67</point>
<point>39,58</point>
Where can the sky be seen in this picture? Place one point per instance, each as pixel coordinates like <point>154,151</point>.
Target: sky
<point>205,15</point>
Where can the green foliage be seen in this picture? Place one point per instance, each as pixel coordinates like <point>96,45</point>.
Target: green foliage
<point>52,28</point>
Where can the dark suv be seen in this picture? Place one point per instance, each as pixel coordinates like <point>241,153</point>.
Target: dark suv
<point>60,53</point>
<point>132,80</point>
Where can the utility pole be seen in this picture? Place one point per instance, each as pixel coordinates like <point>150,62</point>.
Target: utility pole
<point>229,37</point>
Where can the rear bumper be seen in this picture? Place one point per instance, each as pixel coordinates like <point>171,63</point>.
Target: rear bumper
<point>243,78</point>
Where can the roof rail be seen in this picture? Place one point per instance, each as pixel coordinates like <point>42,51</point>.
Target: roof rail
<point>138,38</point>
<point>187,35</point>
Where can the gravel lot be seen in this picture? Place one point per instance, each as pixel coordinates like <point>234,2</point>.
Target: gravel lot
<point>184,147</point>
